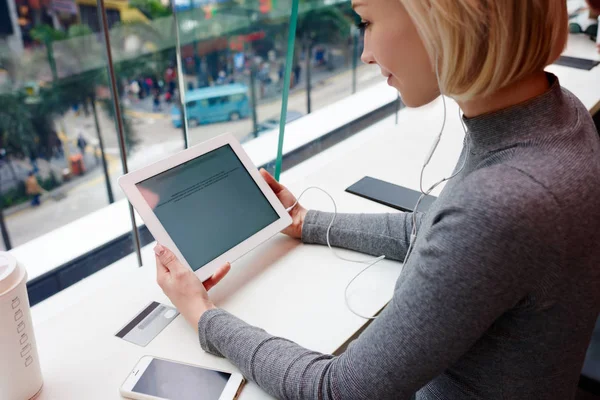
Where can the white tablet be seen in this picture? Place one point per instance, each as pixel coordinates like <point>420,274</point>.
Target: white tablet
<point>208,204</point>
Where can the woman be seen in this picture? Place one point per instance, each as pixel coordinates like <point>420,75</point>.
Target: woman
<point>500,293</point>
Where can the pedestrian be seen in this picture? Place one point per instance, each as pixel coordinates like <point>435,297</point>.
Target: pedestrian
<point>170,75</point>
<point>297,70</point>
<point>148,85</point>
<point>320,55</point>
<point>156,102</point>
<point>55,144</point>
<point>33,189</point>
<point>265,73</point>
<point>141,92</point>
<point>222,78</point>
<point>81,143</point>
<point>134,87</point>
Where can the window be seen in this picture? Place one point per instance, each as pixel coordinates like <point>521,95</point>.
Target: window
<point>215,101</point>
<point>58,118</point>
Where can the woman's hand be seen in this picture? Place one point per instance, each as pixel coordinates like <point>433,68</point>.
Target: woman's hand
<point>182,286</point>
<point>298,213</point>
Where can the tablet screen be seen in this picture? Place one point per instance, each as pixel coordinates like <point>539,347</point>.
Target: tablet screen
<point>208,205</point>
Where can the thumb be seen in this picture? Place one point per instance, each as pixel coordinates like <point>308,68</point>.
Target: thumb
<point>167,258</point>
<point>275,186</point>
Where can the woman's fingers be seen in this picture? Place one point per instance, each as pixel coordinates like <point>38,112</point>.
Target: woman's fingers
<point>217,277</point>
<point>167,263</point>
<point>161,270</point>
<point>276,186</point>
<point>167,258</point>
<point>284,195</point>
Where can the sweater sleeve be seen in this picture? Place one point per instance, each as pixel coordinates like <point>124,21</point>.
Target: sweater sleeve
<point>479,259</point>
<point>374,234</point>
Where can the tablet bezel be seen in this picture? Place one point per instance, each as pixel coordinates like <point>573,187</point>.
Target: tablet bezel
<point>128,184</point>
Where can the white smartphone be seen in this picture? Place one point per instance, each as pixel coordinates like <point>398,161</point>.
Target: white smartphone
<point>159,379</point>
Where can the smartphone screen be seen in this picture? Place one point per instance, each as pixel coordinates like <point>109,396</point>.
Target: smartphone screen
<point>176,381</point>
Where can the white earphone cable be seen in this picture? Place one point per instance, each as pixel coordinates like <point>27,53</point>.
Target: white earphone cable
<point>413,235</point>
<point>370,262</point>
<point>424,193</point>
<point>335,212</point>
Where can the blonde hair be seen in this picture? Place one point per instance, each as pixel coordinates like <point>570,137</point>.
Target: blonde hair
<point>483,45</point>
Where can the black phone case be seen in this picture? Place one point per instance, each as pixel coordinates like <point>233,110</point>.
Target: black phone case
<point>574,62</point>
<point>397,197</point>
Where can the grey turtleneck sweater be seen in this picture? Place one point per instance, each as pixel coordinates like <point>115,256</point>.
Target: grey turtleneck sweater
<point>499,297</point>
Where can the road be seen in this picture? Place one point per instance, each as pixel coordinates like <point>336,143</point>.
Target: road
<point>157,139</point>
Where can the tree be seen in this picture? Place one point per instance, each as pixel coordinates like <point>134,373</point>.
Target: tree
<point>27,128</point>
<point>81,48</point>
<point>152,8</point>
<point>46,35</point>
<point>80,44</point>
<point>26,122</point>
<point>324,25</point>
<point>24,130</point>
<point>27,119</point>
<point>16,126</point>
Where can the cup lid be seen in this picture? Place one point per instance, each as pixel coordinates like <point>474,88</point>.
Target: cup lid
<point>9,272</point>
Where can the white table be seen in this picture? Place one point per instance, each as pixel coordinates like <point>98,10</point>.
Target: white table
<point>289,289</point>
<point>581,46</point>
<point>584,84</point>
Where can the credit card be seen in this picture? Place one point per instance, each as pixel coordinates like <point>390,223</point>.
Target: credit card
<point>148,324</point>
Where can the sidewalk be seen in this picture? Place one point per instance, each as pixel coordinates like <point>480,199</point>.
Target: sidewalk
<point>56,166</point>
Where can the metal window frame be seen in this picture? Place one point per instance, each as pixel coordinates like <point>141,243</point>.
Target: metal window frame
<point>103,21</point>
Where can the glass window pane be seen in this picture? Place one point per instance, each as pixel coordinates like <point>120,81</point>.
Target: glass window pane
<point>57,127</point>
<point>327,65</point>
<point>233,56</point>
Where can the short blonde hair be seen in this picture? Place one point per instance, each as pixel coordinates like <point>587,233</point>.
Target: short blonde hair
<point>483,45</point>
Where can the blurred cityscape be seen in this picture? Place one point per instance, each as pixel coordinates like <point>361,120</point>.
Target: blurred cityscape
<point>59,149</point>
